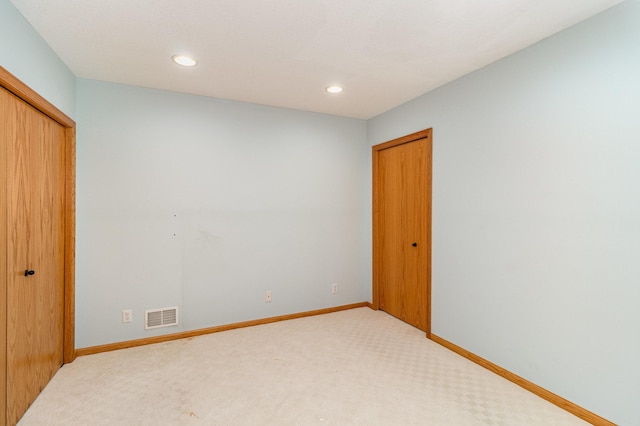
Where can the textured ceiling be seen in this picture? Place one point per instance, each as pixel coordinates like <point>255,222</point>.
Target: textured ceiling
<point>285,52</point>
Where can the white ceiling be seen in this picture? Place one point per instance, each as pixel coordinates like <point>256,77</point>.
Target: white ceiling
<point>285,52</point>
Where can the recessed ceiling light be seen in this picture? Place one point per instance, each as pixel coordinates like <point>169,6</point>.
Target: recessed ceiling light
<point>334,89</point>
<point>185,61</point>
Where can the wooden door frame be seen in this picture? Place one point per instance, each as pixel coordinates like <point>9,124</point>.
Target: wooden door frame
<point>377,248</point>
<point>24,92</point>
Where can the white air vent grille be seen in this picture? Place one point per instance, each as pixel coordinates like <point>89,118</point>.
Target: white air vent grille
<point>164,317</point>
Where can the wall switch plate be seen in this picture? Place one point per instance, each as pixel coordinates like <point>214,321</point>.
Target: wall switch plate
<point>334,288</point>
<point>127,315</point>
<point>267,296</point>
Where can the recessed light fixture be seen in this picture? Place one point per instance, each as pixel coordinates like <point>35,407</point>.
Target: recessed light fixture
<point>185,61</point>
<point>334,89</point>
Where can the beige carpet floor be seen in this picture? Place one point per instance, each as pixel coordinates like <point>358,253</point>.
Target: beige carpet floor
<point>355,367</point>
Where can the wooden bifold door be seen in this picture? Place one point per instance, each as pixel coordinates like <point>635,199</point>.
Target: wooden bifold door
<point>402,228</point>
<point>34,252</point>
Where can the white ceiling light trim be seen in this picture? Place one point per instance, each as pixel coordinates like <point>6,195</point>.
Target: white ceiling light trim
<point>185,61</point>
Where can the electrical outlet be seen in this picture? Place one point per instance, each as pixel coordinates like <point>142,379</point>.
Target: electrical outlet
<point>334,288</point>
<point>127,315</point>
<point>267,296</point>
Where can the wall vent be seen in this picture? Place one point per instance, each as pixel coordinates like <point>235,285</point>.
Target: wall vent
<point>163,317</point>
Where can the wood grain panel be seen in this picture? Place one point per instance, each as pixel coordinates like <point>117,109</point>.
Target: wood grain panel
<point>393,230</point>
<point>50,224</point>
<point>19,204</point>
<point>402,218</point>
<point>416,265</point>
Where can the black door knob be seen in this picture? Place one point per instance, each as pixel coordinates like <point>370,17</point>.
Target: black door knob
<point>28,272</point>
<point>415,244</point>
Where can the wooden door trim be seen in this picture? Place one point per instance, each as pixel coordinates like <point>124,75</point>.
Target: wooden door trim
<point>3,287</point>
<point>375,150</point>
<point>24,92</point>
<point>28,95</point>
<point>69,345</point>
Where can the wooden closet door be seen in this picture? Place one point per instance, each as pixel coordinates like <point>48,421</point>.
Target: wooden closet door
<point>35,242</point>
<point>402,231</point>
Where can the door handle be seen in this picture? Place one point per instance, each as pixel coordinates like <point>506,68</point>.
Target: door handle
<point>28,272</point>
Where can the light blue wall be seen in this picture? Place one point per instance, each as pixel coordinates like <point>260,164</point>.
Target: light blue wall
<point>206,204</point>
<point>27,56</point>
<point>536,211</point>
